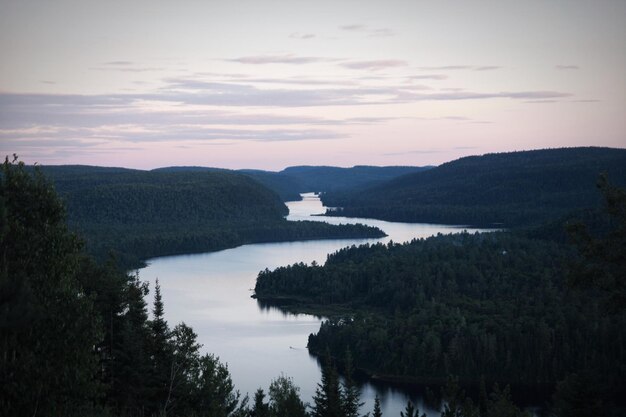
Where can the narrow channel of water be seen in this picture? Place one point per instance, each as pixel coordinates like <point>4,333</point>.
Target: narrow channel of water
<point>211,292</point>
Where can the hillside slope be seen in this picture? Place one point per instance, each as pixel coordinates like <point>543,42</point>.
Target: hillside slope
<point>292,181</point>
<point>141,214</point>
<point>510,189</point>
<point>326,178</point>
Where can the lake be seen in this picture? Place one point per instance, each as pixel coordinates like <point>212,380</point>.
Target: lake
<point>211,293</point>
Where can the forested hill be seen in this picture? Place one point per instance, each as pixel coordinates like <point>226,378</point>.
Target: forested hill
<point>326,178</point>
<point>511,189</point>
<point>292,181</point>
<point>122,196</point>
<point>141,214</point>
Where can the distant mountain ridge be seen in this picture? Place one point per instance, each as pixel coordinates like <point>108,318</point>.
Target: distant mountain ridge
<point>509,189</point>
<point>292,181</point>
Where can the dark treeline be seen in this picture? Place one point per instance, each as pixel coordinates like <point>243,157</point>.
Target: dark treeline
<point>137,215</point>
<point>498,307</point>
<point>325,178</point>
<point>292,181</point>
<point>510,189</point>
<point>76,338</point>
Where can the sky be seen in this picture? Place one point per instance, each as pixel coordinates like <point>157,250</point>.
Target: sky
<point>269,84</point>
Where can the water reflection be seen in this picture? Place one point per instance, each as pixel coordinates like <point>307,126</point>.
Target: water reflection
<point>212,293</point>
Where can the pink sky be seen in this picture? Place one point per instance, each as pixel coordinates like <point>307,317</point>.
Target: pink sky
<point>270,84</point>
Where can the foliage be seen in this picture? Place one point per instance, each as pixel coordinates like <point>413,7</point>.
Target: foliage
<point>285,399</point>
<point>326,179</point>
<point>75,336</point>
<point>47,321</point>
<point>507,189</point>
<point>137,215</point>
<point>603,259</point>
<point>486,304</point>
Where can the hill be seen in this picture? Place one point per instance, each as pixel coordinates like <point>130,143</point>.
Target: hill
<point>292,181</point>
<point>509,189</point>
<point>326,178</point>
<point>142,214</point>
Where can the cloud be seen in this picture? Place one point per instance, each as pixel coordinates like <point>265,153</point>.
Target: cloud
<point>428,77</point>
<point>20,108</point>
<point>487,68</point>
<point>93,137</point>
<point>469,95</point>
<point>447,68</point>
<point>126,69</point>
<point>118,63</point>
<point>375,65</point>
<point>368,30</point>
<point>567,67</point>
<point>461,67</point>
<point>279,59</point>
<point>298,35</point>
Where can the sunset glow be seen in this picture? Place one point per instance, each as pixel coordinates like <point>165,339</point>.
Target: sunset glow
<point>268,84</point>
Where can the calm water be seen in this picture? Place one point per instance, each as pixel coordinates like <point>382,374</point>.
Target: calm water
<point>211,292</point>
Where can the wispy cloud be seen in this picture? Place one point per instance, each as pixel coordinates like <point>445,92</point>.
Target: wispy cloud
<point>279,59</point>
<point>368,30</point>
<point>118,63</point>
<point>428,77</point>
<point>469,95</point>
<point>462,67</point>
<point>298,35</point>
<point>486,68</point>
<point>374,65</point>
<point>124,66</point>
<point>567,67</point>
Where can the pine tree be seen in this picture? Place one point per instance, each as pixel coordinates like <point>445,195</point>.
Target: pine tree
<point>377,410</point>
<point>350,395</point>
<point>327,399</point>
<point>409,411</point>
<point>161,353</point>
<point>48,327</point>
<point>260,407</point>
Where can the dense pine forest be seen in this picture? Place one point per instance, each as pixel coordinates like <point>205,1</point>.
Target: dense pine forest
<point>501,307</point>
<point>507,189</point>
<point>503,312</point>
<point>292,181</point>
<point>77,340</point>
<point>136,215</point>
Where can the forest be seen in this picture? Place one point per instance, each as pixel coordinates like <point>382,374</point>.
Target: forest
<point>509,310</point>
<point>515,189</point>
<point>77,340</point>
<point>136,215</point>
<point>292,181</point>
<point>513,308</point>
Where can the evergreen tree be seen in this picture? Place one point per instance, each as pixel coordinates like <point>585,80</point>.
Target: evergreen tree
<point>48,326</point>
<point>327,400</point>
<point>260,408</point>
<point>350,395</point>
<point>214,394</point>
<point>285,399</point>
<point>377,411</point>
<point>603,259</point>
<point>161,353</point>
<point>501,404</point>
<point>409,411</point>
